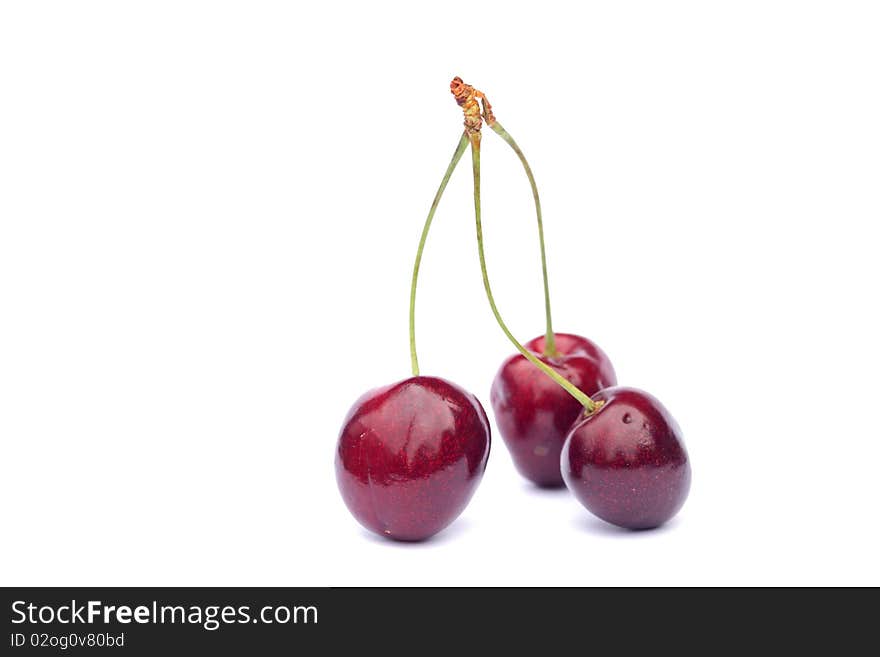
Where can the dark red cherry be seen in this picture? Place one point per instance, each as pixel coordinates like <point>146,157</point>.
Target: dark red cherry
<point>410,455</point>
<point>626,461</point>
<point>533,413</point>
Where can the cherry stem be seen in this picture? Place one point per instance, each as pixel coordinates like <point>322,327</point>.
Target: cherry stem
<point>456,156</point>
<point>583,398</point>
<point>550,339</point>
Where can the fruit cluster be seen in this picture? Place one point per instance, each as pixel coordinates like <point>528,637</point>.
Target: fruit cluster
<point>410,455</point>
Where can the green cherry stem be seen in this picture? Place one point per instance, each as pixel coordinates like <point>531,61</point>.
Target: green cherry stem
<point>456,156</point>
<point>550,339</point>
<point>584,399</point>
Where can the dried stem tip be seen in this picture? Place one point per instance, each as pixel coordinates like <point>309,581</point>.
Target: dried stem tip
<point>467,98</point>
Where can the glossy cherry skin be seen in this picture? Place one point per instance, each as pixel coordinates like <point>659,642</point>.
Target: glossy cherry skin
<point>626,462</point>
<point>533,413</point>
<point>410,456</point>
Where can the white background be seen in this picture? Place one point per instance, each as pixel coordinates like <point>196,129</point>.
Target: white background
<point>208,214</point>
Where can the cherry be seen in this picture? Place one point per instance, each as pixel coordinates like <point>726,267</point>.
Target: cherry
<point>538,393</point>
<point>534,414</point>
<point>467,98</point>
<point>410,456</point>
<point>626,461</point>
